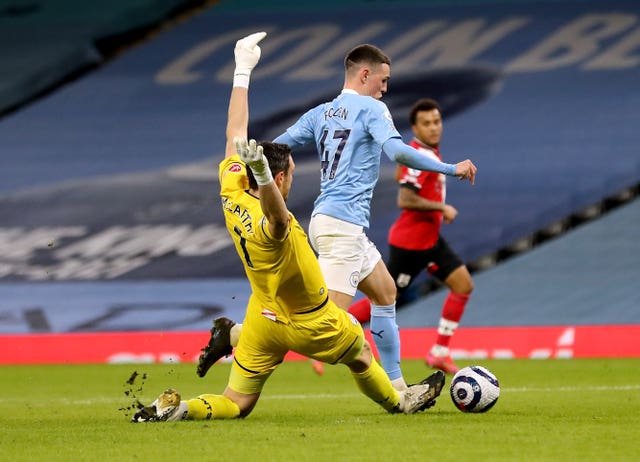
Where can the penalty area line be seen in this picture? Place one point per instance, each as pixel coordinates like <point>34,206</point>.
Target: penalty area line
<point>323,396</point>
<point>505,390</point>
<point>587,388</point>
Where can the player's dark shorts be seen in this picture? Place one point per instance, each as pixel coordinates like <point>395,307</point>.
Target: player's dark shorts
<point>439,261</point>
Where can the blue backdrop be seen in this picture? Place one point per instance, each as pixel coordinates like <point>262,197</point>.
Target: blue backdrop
<point>113,176</point>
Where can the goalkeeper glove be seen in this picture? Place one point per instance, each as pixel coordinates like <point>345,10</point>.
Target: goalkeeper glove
<point>251,154</point>
<point>247,55</point>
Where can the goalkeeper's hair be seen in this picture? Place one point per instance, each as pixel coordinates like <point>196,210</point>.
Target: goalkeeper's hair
<point>365,54</point>
<point>278,156</point>
<point>424,104</point>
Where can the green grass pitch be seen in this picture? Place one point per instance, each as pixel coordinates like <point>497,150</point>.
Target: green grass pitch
<point>549,410</point>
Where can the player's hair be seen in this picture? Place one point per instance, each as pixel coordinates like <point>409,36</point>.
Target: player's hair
<point>424,104</point>
<point>278,156</point>
<point>365,54</point>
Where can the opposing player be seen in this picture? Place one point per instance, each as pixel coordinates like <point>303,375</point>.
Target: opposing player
<point>350,133</point>
<point>289,308</point>
<point>415,243</point>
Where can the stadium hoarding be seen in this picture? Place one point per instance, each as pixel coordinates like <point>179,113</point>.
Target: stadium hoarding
<point>557,342</point>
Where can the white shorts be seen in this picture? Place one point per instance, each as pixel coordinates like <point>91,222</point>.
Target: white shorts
<point>345,253</point>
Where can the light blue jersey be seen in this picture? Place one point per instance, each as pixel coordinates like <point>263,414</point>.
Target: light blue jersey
<point>349,133</point>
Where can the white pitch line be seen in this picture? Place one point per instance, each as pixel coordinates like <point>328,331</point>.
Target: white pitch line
<point>323,396</point>
<point>505,390</point>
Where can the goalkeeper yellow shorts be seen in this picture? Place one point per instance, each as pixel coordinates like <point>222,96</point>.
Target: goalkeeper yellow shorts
<point>329,334</point>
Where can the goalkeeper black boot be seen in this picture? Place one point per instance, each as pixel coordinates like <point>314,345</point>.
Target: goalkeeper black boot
<point>219,345</point>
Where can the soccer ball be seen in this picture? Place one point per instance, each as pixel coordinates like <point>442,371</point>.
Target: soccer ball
<point>474,389</point>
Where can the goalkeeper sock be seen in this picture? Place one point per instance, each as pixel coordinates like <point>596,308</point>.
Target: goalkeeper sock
<point>384,331</point>
<point>375,385</point>
<point>206,407</point>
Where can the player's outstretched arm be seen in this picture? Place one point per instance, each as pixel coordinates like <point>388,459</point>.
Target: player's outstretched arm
<point>287,139</point>
<point>271,200</point>
<point>247,54</point>
<point>404,154</point>
<point>237,119</point>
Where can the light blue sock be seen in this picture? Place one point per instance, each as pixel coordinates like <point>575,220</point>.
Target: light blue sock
<point>384,331</point>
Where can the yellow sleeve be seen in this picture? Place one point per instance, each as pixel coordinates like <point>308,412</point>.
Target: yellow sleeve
<point>232,174</point>
<point>264,229</point>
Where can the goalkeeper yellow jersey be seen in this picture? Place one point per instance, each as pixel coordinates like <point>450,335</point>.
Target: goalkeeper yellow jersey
<point>284,274</point>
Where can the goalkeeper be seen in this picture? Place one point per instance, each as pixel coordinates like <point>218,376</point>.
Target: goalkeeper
<point>289,308</point>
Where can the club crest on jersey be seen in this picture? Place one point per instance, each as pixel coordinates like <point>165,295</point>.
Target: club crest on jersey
<point>235,168</point>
